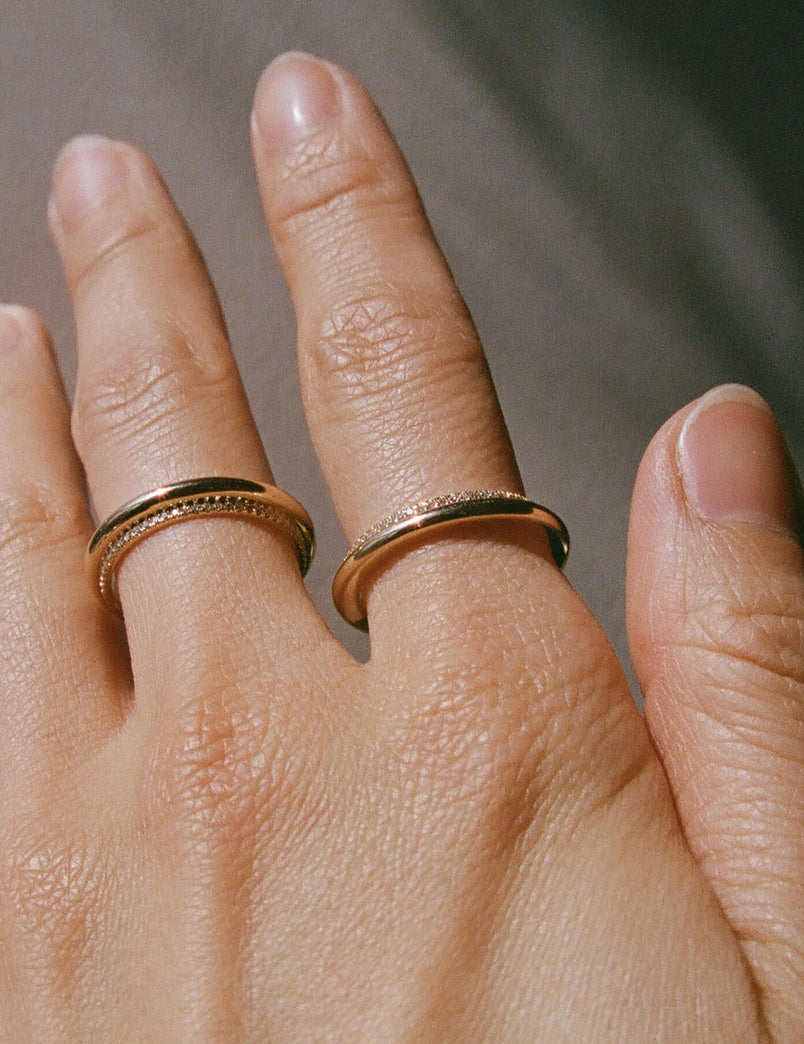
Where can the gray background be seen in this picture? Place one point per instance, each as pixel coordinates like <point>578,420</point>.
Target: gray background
<point>616,185</point>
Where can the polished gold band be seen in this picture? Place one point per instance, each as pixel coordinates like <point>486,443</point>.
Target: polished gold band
<point>395,531</point>
<point>201,497</point>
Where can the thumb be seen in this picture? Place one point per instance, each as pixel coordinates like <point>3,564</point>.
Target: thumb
<point>716,629</point>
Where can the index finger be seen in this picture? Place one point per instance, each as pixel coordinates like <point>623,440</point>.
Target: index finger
<point>398,396</point>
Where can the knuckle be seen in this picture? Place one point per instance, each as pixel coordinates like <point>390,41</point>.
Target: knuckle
<point>519,763</point>
<point>759,632</point>
<point>224,773</point>
<point>386,348</point>
<point>138,392</point>
<point>328,176</point>
<point>52,890</point>
<point>216,766</point>
<point>130,230</point>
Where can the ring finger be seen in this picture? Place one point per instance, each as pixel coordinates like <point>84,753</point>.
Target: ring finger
<point>158,399</point>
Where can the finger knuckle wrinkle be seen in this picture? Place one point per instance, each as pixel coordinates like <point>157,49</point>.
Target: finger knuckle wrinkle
<point>322,177</point>
<point>766,634</point>
<point>378,344</point>
<point>129,232</point>
<point>139,392</point>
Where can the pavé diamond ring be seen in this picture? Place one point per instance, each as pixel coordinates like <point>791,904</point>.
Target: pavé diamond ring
<point>368,553</point>
<point>201,497</point>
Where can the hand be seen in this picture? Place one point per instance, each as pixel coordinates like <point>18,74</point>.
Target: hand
<point>216,825</point>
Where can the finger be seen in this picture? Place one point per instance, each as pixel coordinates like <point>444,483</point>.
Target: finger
<point>159,399</point>
<point>716,626</point>
<point>489,682</point>
<point>397,392</point>
<point>61,681</point>
<point>401,406</point>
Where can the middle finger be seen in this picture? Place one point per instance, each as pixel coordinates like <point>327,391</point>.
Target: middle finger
<point>398,397</point>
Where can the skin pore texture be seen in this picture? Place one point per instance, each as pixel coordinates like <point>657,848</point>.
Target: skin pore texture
<point>216,825</point>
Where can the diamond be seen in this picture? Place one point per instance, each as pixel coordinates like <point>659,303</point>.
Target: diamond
<point>433,504</point>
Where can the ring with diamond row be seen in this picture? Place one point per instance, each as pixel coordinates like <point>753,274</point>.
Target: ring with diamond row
<point>194,498</point>
<point>367,554</point>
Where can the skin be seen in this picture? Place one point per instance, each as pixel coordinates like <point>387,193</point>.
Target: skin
<point>216,826</point>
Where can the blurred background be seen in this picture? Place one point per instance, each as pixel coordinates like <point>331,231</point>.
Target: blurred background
<point>617,185</point>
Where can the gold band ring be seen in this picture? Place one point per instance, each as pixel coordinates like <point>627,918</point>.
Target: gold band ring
<point>393,532</point>
<point>195,498</point>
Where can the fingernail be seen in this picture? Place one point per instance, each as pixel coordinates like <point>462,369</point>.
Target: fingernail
<point>10,329</point>
<point>89,170</point>
<point>734,462</point>
<point>295,96</point>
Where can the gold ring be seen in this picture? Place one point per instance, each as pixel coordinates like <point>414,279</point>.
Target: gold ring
<point>397,530</point>
<point>201,497</point>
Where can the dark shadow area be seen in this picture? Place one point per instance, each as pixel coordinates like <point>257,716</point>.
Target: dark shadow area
<point>579,81</point>
<point>740,64</point>
<point>743,66</point>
